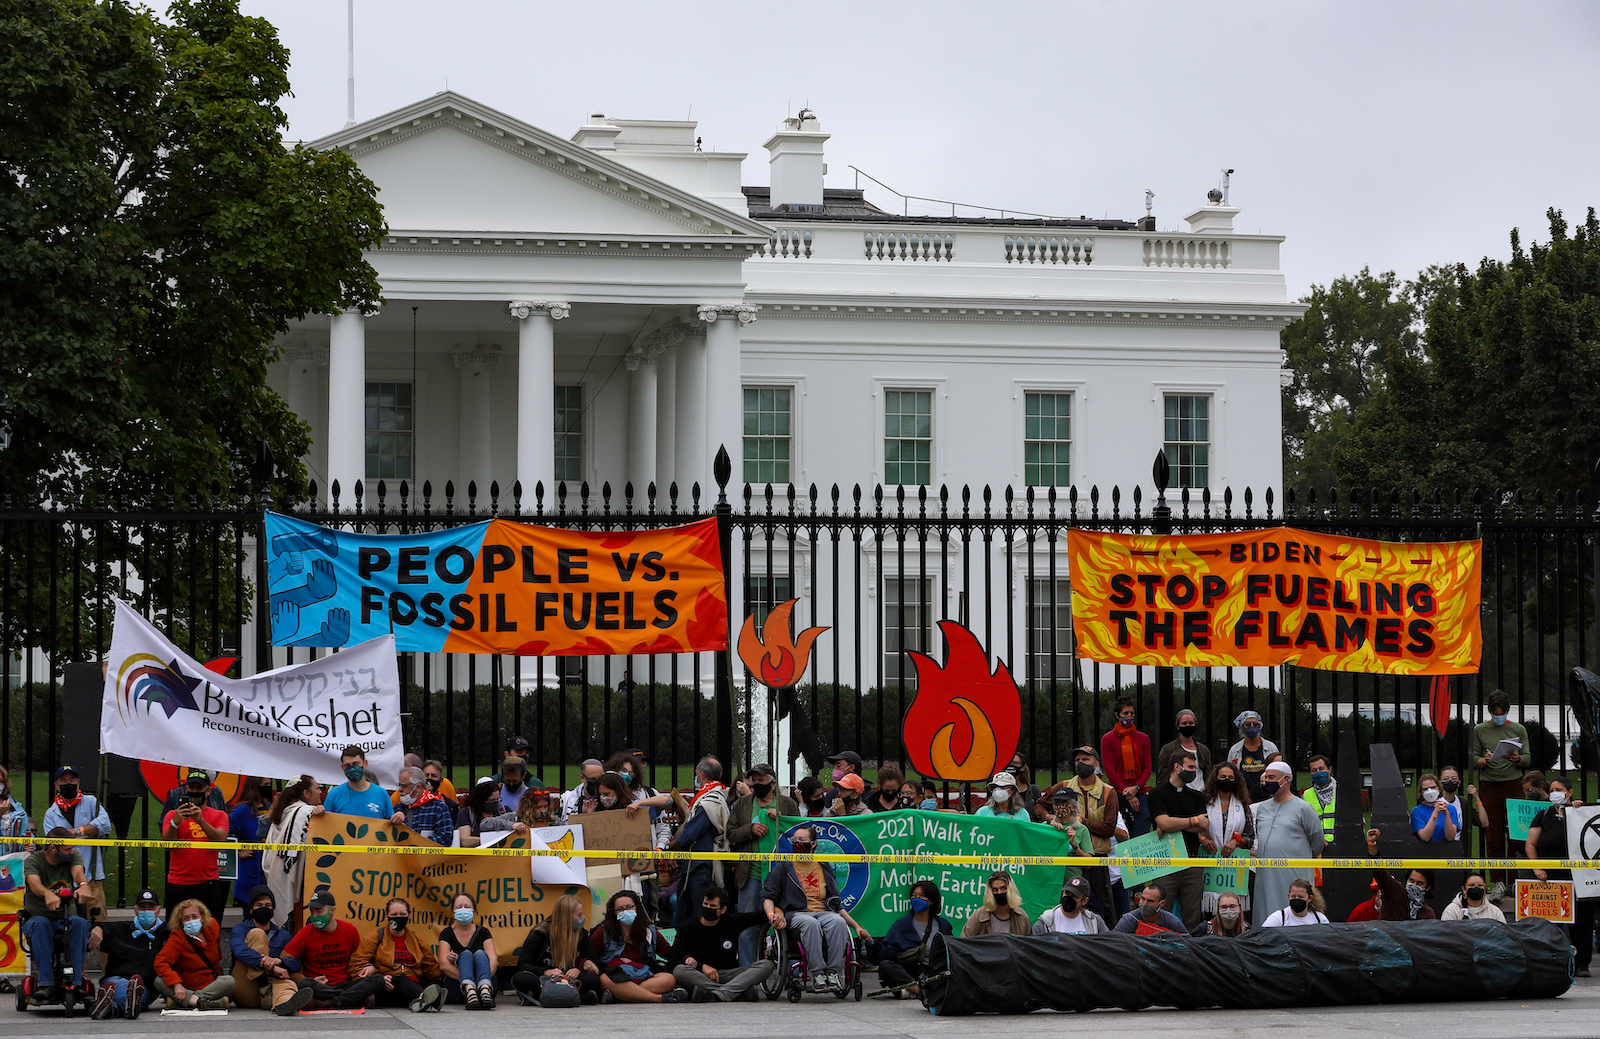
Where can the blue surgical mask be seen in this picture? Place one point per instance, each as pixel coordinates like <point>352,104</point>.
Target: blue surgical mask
<point>1321,778</point>
<point>146,919</point>
<point>355,772</point>
<point>929,805</point>
<point>1499,719</point>
<point>192,927</point>
<point>919,904</point>
<point>463,916</point>
<point>627,917</point>
<point>627,777</point>
<point>1252,731</point>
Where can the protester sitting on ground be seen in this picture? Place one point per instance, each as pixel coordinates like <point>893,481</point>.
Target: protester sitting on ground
<point>1305,907</point>
<point>54,867</point>
<point>886,798</point>
<point>1547,839</point>
<point>751,819</point>
<point>421,809</point>
<point>539,808</point>
<point>259,963</point>
<point>614,795</point>
<point>1002,911</point>
<point>357,795</point>
<point>1228,921</point>
<point>189,965</point>
<point>467,956</point>
<point>847,800</point>
<point>394,965</point>
<point>284,871</point>
<point>192,872</point>
<point>1072,916</point>
<point>1473,902</point>
<point>128,959</point>
<point>798,894</point>
<point>558,949</point>
<point>1229,822</point>
<point>904,950</point>
<point>812,797</point>
<point>634,958</point>
<point>246,823</point>
<point>707,953</point>
<point>1004,801</point>
<point>1150,915</point>
<point>323,947</point>
<point>1250,754</point>
<point>588,788</point>
<point>1397,902</point>
<point>481,813</point>
<point>1434,819</point>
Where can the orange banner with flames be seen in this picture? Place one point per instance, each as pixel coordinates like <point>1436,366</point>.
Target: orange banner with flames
<point>1277,596</point>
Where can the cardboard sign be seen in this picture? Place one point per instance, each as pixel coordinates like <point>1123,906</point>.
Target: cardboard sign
<point>1519,816</point>
<point>1151,845</point>
<point>1230,876</point>
<point>1551,900</point>
<point>614,831</point>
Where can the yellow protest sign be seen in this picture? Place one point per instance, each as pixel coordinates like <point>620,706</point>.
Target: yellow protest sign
<point>1547,899</point>
<point>11,887</point>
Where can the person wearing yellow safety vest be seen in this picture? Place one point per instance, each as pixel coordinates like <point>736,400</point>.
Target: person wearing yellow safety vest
<point>1322,792</point>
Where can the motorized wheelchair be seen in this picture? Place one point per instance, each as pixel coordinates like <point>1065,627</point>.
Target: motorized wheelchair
<point>786,951</point>
<point>30,992</point>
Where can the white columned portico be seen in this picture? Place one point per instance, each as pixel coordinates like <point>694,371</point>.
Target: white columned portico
<point>642,424</point>
<point>477,366</point>
<point>347,403</point>
<point>724,412</point>
<point>536,394</point>
<point>666,420</point>
<point>691,464</point>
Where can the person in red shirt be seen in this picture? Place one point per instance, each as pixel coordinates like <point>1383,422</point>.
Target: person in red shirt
<point>192,872</point>
<point>323,947</point>
<point>1125,755</point>
<point>1367,910</point>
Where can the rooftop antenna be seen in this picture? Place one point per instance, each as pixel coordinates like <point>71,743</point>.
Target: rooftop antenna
<point>350,83</point>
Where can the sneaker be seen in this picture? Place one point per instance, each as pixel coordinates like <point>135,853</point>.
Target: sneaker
<point>133,999</point>
<point>212,1003</point>
<point>704,995</point>
<point>105,1004</point>
<point>608,997</point>
<point>294,1004</point>
<point>677,995</point>
<point>433,997</point>
<point>589,999</point>
<point>1583,972</point>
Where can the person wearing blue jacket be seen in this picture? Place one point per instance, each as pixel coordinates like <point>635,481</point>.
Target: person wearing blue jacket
<point>83,814</point>
<point>904,950</point>
<point>261,972</point>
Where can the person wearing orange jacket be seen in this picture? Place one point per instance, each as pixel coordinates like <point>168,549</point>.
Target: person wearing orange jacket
<point>189,966</point>
<point>395,966</point>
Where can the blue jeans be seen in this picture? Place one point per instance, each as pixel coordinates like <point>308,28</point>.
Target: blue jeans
<point>750,937</point>
<point>40,932</point>
<point>120,987</point>
<point>474,967</point>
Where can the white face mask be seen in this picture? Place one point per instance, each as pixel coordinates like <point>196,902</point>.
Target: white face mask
<point>1430,795</point>
<point>1558,797</point>
<point>1002,795</point>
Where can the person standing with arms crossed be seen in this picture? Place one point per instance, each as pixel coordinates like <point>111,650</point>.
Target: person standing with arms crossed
<point>1498,779</point>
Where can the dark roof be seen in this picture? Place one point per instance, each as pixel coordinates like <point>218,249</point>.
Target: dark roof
<point>849,204</point>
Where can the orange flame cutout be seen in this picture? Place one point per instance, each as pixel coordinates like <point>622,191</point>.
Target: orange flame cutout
<point>964,721</point>
<point>774,657</point>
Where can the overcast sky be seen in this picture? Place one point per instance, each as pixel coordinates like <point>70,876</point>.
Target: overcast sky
<point>1388,134</point>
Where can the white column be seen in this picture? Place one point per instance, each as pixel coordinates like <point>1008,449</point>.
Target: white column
<point>689,451</point>
<point>642,425</point>
<point>666,421</point>
<point>724,391</point>
<point>536,394</point>
<point>477,368</point>
<point>347,400</point>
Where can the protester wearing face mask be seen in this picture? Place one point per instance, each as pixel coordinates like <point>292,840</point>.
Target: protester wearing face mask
<point>1251,753</point>
<point>1097,810</point>
<point>1072,915</point>
<point>1186,743</point>
<point>1001,912</point>
<point>750,819</point>
<point>588,788</point>
<point>707,953</point>
<point>849,791</point>
<point>613,795</point>
<point>812,797</point>
<point>421,809</point>
<point>188,965</point>
<point>1434,818</point>
<point>1177,807</point>
<point>1004,801</point>
<point>439,783</point>
<point>797,894</point>
<point>1150,915</point>
<point>928,796</point>
<point>356,795</point>
<point>1498,779</point>
<point>246,823</point>
<point>1286,828</point>
<point>467,956</point>
<point>1304,907</point>
<point>538,809</point>
<point>844,763</point>
<point>905,948</point>
<point>1547,839</point>
<point>323,948</point>
<point>1125,754</point>
<point>395,966</point>
<point>633,956</point>
<point>1451,792</point>
<point>513,782</point>
<point>288,821</point>
<point>192,872</point>
<point>1473,902</point>
<point>128,959</point>
<point>558,950</point>
<point>1027,789</point>
<point>1396,901</point>
<point>72,808</point>
<point>261,972</point>
<point>1061,812</point>
<point>481,813</point>
<point>53,867</point>
<point>14,821</point>
<point>887,797</point>
<point>1230,823</point>
<point>1228,921</point>
<point>1323,793</point>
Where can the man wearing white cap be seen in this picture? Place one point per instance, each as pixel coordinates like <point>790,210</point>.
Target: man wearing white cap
<point>1286,828</point>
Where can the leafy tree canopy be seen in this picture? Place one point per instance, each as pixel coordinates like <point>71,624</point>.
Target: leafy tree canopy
<point>155,236</point>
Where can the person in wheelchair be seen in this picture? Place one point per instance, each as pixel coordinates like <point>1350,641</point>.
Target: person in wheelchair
<point>798,894</point>
<point>55,868</point>
<point>905,947</point>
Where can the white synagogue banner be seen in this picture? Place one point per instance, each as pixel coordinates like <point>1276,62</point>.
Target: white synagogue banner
<point>163,705</point>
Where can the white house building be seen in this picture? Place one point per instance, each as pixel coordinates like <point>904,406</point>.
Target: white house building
<point>614,305</point>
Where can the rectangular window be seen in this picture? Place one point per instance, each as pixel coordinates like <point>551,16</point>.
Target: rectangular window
<point>569,433</point>
<point>1046,621</point>
<point>1047,439</point>
<point>390,432</point>
<point>1188,439</point>
<point>907,624</point>
<point>767,422</point>
<point>1190,677</point>
<point>765,599</point>
<point>908,437</point>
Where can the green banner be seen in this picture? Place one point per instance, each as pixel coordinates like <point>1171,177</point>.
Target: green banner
<point>1230,877</point>
<point>876,894</point>
<point>1152,845</point>
<point>1519,816</point>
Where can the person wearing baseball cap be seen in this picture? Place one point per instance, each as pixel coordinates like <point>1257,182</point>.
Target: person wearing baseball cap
<point>323,948</point>
<point>128,958</point>
<point>850,791</point>
<point>192,872</point>
<point>845,763</point>
<point>1003,800</point>
<point>1286,828</point>
<point>1072,916</point>
<point>751,818</point>
<point>1097,810</point>
<point>82,813</point>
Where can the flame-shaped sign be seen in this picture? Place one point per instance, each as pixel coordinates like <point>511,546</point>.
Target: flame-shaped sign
<point>964,721</point>
<point>775,658</point>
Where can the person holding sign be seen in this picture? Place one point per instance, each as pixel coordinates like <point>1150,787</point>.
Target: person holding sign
<point>1179,808</point>
<point>1286,828</point>
<point>1499,777</point>
<point>1547,839</point>
<point>1230,823</point>
<point>1473,903</point>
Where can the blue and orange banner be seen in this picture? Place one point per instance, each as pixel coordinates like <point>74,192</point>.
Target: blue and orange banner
<point>499,587</point>
<point>1259,598</point>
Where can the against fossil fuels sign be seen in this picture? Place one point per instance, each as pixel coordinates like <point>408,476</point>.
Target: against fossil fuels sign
<point>1277,596</point>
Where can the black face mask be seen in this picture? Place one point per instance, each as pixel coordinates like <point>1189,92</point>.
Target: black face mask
<point>1083,770</point>
<point>1069,904</point>
<point>398,923</point>
<point>1270,787</point>
<point>1475,893</point>
<point>889,795</point>
<point>67,791</point>
<point>513,785</point>
<point>1298,905</point>
<point>198,797</point>
<point>592,787</point>
<point>1001,897</point>
<point>709,914</point>
<point>433,784</point>
<point>1186,775</point>
<point>261,914</point>
<point>761,789</point>
<point>1186,731</point>
<point>1450,786</point>
<point>814,807</point>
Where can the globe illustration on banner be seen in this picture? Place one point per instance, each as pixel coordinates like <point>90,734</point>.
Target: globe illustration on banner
<point>833,839</point>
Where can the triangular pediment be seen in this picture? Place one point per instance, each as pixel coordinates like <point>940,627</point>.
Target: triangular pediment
<point>452,164</point>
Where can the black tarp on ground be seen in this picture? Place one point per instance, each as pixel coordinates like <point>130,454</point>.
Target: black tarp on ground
<point>1327,965</point>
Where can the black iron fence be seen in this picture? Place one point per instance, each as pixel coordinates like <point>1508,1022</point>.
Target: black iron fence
<point>879,568</point>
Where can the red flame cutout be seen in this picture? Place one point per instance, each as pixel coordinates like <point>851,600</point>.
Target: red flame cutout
<point>964,721</point>
<point>775,658</point>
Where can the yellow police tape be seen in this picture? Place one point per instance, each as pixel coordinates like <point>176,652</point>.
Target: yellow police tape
<point>767,856</point>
